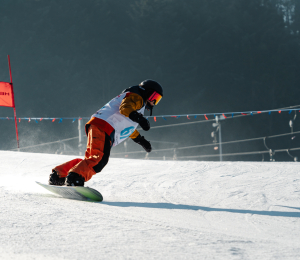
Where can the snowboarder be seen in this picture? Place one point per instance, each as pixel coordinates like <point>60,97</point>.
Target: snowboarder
<point>109,126</point>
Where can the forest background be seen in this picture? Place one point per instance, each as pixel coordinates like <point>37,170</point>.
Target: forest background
<point>69,58</point>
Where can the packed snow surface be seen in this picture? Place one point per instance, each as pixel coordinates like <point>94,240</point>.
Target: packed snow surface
<point>152,210</point>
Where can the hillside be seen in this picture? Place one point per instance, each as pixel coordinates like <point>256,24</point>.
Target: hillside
<point>152,210</point>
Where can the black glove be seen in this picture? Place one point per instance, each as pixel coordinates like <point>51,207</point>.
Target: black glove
<point>143,142</point>
<point>140,119</point>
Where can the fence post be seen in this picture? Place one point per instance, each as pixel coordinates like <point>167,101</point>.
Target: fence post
<point>220,143</point>
<point>218,128</point>
<point>272,153</point>
<point>125,147</point>
<point>175,155</point>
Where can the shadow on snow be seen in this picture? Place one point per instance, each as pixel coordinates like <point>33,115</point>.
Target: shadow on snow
<point>208,209</point>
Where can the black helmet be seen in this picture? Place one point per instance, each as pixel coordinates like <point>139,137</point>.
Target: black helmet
<point>148,86</point>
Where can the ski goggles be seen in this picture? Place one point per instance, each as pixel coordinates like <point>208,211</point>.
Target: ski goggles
<point>155,97</point>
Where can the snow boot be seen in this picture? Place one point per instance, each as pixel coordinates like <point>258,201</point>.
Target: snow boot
<point>54,179</point>
<point>74,179</point>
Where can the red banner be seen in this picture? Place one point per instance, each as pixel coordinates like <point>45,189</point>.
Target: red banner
<point>6,95</point>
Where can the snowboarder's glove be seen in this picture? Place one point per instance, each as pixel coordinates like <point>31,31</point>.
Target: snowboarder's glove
<point>143,142</point>
<point>140,119</point>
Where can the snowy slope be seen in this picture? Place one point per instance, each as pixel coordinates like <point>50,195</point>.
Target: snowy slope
<point>152,210</point>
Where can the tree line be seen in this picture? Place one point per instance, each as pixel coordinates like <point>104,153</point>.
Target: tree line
<point>70,58</point>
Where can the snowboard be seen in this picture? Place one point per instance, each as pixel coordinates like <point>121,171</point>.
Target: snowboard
<point>74,192</point>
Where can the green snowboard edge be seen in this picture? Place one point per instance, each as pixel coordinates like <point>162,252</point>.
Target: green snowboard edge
<point>89,193</point>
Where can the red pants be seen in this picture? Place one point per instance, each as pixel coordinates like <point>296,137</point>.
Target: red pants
<point>96,156</point>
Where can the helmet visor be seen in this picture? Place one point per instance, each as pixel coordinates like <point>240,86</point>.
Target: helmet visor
<point>155,97</point>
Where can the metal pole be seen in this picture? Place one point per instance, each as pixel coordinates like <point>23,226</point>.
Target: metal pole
<point>220,142</point>
<point>14,106</point>
<point>79,137</point>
